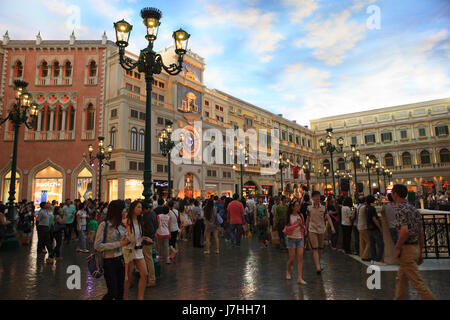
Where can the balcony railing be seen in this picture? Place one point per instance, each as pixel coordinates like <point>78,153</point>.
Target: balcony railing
<point>436,227</point>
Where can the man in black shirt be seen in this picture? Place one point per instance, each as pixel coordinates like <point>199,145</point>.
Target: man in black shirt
<point>375,232</point>
<point>149,230</point>
<point>159,209</point>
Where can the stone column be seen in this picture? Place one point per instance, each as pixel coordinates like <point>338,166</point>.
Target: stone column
<point>51,127</point>
<point>63,124</point>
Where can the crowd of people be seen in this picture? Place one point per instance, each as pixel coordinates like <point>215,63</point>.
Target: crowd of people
<point>127,232</point>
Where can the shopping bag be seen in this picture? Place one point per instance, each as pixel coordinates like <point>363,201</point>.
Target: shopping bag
<point>275,237</point>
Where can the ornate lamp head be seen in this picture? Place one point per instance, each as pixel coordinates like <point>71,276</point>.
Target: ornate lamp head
<point>181,39</point>
<point>123,32</point>
<point>151,18</point>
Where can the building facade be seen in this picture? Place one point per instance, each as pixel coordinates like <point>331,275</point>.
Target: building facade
<point>67,79</point>
<point>411,140</point>
<point>85,93</point>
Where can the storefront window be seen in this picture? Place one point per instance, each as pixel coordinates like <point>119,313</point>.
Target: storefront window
<point>7,184</point>
<point>84,185</point>
<point>113,190</point>
<point>133,189</point>
<point>48,186</point>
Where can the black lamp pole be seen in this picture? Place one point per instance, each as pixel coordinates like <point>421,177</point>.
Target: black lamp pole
<point>370,163</point>
<point>166,145</point>
<point>328,147</point>
<point>149,63</point>
<point>103,156</point>
<point>355,159</point>
<point>308,169</point>
<point>21,113</point>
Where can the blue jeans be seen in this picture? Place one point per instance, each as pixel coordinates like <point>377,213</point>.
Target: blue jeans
<point>235,233</point>
<point>394,235</point>
<point>82,240</point>
<point>376,245</point>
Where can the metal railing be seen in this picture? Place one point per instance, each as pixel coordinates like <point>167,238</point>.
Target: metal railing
<point>436,227</point>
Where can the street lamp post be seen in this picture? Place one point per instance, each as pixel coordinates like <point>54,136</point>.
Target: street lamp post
<point>379,170</point>
<point>282,166</point>
<point>328,147</point>
<point>370,163</point>
<point>21,113</point>
<point>386,173</point>
<point>347,175</point>
<point>325,173</point>
<point>355,158</point>
<point>243,152</point>
<point>166,145</point>
<point>308,169</point>
<point>101,157</point>
<point>149,63</point>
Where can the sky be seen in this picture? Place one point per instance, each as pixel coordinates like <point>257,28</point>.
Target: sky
<point>305,59</point>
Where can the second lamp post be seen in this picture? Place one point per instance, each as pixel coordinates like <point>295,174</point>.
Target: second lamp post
<point>166,145</point>
<point>102,155</point>
<point>328,147</point>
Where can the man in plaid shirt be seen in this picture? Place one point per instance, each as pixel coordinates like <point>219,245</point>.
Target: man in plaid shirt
<point>409,246</point>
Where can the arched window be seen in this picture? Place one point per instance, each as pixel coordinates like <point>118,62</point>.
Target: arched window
<point>57,120</point>
<point>326,164</point>
<point>71,118</point>
<point>444,156</point>
<point>133,139</point>
<point>341,164</point>
<point>68,69</point>
<point>389,160</point>
<point>18,70</point>
<point>406,159</point>
<point>92,69</point>
<point>112,137</point>
<point>56,69</point>
<point>90,117</point>
<point>141,140</point>
<point>45,118</point>
<point>43,71</point>
<point>48,185</point>
<point>425,157</point>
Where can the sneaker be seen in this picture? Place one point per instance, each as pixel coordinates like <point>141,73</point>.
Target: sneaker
<point>217,251</point>
<point>301,281</point>
<point>79,250</point>
<point>85,250</point>
<point>168,261</point>
<point>206,252</point>
<point>288,276</point>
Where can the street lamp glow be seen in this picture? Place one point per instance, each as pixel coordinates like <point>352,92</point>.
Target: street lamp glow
<point>151,17</point>
<point>123,32</point>
<point>181,39</point>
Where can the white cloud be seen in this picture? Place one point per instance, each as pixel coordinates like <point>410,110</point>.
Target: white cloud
<point>259,25</point>
<point>433,38</point>
<point>206,46</point>
<point>360,4</point>
<point>333,37</point>
<point>300,9</point>
<point>396,76</point>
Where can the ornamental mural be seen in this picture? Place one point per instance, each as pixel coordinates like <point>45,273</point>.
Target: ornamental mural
<point>192,73</point>
<point>189,100</point>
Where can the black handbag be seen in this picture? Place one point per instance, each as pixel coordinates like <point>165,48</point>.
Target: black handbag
<point>95,260</point>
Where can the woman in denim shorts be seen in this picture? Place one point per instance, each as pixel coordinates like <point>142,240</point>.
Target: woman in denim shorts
<point>295,235</point>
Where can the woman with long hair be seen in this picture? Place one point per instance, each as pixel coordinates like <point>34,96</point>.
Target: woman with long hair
<point>295,235</point>
<point>212,225</point>
<point>110,243</point>
<point>333,213</point>
<point>136,256</point>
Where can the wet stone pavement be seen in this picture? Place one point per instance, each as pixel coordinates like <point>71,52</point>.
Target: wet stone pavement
<point>236,273</point>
